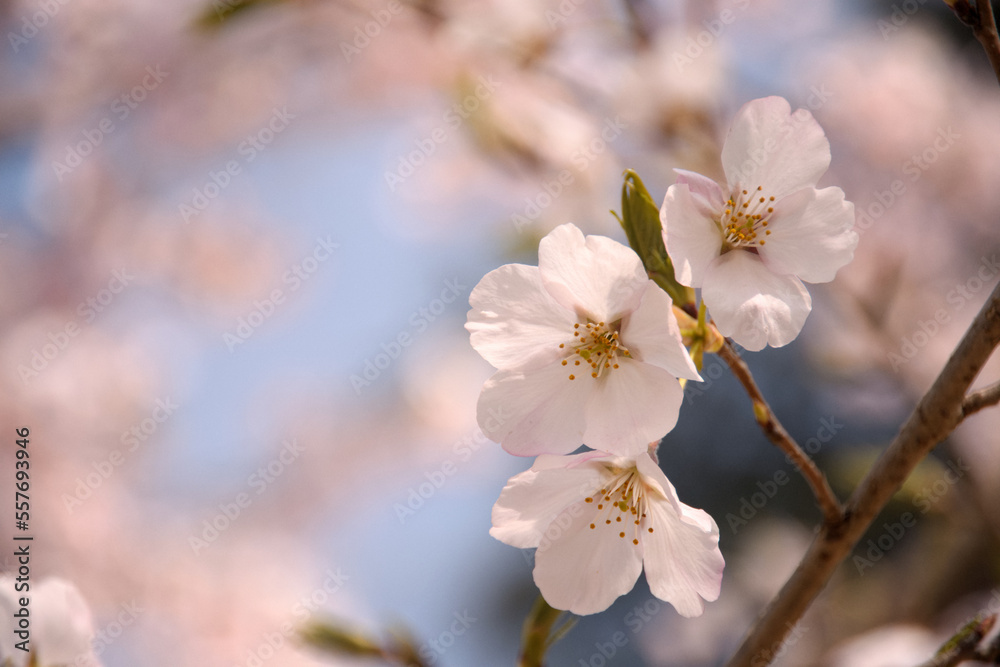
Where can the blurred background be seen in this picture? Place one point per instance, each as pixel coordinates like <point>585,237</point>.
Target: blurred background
<point>237,242</point>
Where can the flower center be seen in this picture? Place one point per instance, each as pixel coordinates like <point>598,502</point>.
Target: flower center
<point>597,345</point>
<point>745,217</point>
<point>621,505</point>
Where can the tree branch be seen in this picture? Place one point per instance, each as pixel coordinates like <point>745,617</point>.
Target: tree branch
<point>935,416</point>
<point>978,15</point>
<point>978,400</point>
<point>776,433</point>
<point>985,31</point>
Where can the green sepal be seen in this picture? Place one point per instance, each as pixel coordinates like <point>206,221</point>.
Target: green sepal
<point>328,637</point>
<point>641,221</point>
<point>221,11</point>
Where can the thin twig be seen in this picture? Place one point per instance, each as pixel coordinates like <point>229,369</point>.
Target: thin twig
<point>965,645</point>
<point>978,400</point>
<point>776,433</point>
<point>936,415</point>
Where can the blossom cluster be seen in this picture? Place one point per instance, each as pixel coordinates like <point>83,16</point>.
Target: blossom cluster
<point>588,351</point>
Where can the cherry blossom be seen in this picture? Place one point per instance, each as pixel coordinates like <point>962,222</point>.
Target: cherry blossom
<point>587,350</point>
<point>597,521</point>
<point>750,244</point>
<point>61,626</point>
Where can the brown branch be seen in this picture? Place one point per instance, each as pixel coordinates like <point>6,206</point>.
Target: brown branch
<point>986,32</point>
<point>978,400</point>
<point>936,415</point>
<point>978,15</point>
<point>776,433</point>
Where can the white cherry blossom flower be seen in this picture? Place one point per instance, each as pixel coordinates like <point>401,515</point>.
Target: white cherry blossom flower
<point>587,350</point>
<point>597,521</point>
<point>61,625</point>
<point>750,243</point>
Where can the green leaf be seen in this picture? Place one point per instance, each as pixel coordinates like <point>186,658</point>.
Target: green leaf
<point>641,221</point>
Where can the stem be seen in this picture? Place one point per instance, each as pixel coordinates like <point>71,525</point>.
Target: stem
<point>964,646</point>
<point>985,30</point>
<point>983,398</point>
<point>776,433</point>
<point>535,638</point>
<point>698,350</point>
<point>978,15</point>
<point>935,416</point>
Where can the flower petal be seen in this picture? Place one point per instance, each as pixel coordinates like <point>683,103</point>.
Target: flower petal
<point>8,606</point>
<point>812,235</point>
<point>583,570</point>
<point>534,412</point>
<point>692,238</point>
<point>753,305</point>
<point>652,335</point>
<point>630,407</point>
<point>62,622</point>
<point>769,146</point>
<point>533,499</point>
<point>681,556</point>
<point>514,321</point>
<point>706,193</point>
<point>593,276</point>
